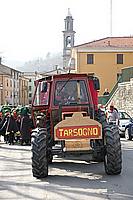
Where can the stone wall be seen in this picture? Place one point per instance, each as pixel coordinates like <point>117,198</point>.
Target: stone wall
<point>123,98</point>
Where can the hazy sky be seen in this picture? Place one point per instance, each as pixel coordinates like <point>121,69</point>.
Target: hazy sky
<point>31,28</point>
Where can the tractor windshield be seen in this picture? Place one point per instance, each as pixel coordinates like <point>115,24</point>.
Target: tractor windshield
<point>70,92</point>
<point>42,94</point>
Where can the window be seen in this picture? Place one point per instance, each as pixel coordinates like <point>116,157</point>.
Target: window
<point>15,75</point>
<point>69,92</point>
<point>11,73</point>
<point>124,115</point>
<point>30,101</point>
<point>42,94</point>
<point>68,41</point>
<point>119,58</point>
<point>7,83</point>
<point>90,59</point>
<point>29,88</point>
<point>10,83</point>
<point>30,95</point>
<point>30,80</point>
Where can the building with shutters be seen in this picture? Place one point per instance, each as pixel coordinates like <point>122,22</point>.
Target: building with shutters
<point>104,57</point>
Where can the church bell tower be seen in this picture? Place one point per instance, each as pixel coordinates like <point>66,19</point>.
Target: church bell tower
<point>68,37</point>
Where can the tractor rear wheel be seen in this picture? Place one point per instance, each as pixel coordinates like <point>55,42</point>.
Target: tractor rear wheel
<point>113,154</point>
<point>112,146</point>
<point>39,154</point>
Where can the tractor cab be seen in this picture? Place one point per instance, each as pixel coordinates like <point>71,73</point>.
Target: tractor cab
<point>70,92</point>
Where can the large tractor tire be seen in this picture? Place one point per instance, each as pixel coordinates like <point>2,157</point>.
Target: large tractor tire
<point>39,154</point>
<point>113,153</point>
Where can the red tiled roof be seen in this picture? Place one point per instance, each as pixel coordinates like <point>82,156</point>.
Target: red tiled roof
<point>109,42</point>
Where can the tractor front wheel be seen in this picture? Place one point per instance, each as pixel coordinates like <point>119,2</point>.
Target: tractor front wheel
<point>39,154</point>
<point>113,154</point>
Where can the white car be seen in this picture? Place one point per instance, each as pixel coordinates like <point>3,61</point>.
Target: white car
<point>124,119</point>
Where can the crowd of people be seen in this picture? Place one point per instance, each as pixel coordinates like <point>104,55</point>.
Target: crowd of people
<point>16,125</point>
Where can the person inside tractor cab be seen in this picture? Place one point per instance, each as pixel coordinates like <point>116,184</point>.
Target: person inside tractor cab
<point>73,91</point>
<point>76,92</point>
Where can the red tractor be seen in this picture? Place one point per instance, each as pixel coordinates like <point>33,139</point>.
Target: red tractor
<point>68,122</point>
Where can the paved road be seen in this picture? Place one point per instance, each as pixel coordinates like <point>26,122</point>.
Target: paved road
<point>67,179</point>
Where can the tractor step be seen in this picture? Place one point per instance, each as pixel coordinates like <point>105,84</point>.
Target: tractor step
<point>56,150</point>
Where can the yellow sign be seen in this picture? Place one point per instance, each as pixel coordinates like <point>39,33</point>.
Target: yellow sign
<point>92,131</point>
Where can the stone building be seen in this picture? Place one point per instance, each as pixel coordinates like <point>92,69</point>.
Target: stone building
<point>123,98</point>
<point>122,94</point>
<point>9,85</point>
<point>13,86</point>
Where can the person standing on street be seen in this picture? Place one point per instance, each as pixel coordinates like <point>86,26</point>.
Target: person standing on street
<point>25,127</point>
<point>112,115</point>
<point>11,129</point>
<point>3,125</point>
<point>106,92</point>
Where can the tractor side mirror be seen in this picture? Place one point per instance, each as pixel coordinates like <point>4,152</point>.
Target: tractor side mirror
<point>96,83</point>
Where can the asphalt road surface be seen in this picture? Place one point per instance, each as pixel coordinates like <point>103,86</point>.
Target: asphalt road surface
<point>68,179</point>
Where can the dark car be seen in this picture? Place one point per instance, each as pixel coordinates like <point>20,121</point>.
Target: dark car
<point>129,131</point>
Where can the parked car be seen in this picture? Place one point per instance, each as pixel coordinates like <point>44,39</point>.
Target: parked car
<point>129,131</point>
<point>124,121</point>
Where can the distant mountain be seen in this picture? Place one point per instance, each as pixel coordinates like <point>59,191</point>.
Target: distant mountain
<point>15,64</point>
<point>40,64</point>
<point>43,65</point>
